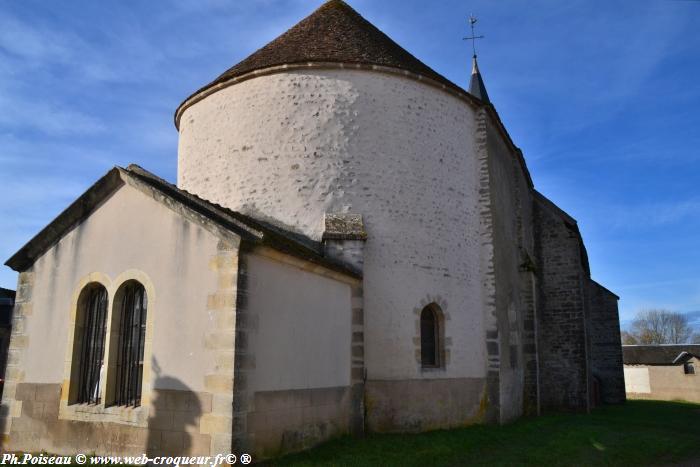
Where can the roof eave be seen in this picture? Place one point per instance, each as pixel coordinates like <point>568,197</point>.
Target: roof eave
<point>218,85</point>
<point>248,229</point>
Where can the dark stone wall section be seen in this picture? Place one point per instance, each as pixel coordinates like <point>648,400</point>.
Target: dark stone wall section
<point>605,348</point>
<point>578,328</point>
<point>563,275</point>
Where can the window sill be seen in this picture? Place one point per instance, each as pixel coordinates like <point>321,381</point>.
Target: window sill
<point>427,370</point>
<point>133,416</point>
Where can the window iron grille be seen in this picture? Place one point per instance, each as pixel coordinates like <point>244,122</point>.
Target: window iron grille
<point>132,338</point>
<point>92,346</point>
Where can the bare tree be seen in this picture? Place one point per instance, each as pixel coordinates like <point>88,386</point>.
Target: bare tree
<point>628,338</point>
<point>661,327</point>
<point>679,330</point>
<point>695,339</point>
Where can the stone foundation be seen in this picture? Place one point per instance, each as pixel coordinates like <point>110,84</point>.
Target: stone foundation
<point>293,420</point>
<point>424,404</point>
<point>173,426</point>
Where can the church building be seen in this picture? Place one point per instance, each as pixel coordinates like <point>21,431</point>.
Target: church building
<point>354,244</point>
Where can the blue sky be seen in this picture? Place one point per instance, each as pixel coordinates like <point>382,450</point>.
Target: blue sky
<point>602,97</point>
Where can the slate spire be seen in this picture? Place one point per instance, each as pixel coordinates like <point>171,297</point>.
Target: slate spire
<point>476,85</point>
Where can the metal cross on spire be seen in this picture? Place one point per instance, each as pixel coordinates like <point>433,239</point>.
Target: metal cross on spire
<point>474,37</point>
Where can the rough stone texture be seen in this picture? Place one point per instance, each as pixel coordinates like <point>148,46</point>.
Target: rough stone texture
<point>172,429</point>
<point>487,270</point>
<point>292,420</point>
<point>10,407</point>
<point>220,339</point>
<point>344,239</point>
<point>531,382</point>
<point>7,303</point>
<point>561,313</point>
<point>513,242</point>
<point>427,404</point>
<point>605,349</point>
<point>344,227</point>
<point>294,146</point>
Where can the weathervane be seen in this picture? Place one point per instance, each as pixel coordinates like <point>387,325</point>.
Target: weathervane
<point>473,38</point>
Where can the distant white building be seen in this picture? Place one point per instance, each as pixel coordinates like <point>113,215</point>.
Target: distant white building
<point>663,372</point>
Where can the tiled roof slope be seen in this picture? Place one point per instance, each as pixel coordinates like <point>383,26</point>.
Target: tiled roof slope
<point>333,33</point>
<point>656,354</point>
<point>254,231</point>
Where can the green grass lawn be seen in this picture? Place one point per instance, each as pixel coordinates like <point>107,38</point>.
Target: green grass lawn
<point>636,433</point>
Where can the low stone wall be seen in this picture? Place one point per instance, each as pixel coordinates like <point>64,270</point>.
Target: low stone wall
<point>293,420</point>
<point>173,426</point>
<point>424,404</point>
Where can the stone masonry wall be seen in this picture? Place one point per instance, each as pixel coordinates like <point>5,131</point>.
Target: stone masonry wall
<point>605,344</point>
<point>561,310</point>
<point>172,428</point>
<point>187,391</point>
<point>293,146</point>
<point>513,243</point>
<point>293,390</point>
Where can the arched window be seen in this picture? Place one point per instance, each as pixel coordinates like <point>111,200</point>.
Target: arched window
<point>130,304</point>
<point>429,338</point>
<point>89,344</point>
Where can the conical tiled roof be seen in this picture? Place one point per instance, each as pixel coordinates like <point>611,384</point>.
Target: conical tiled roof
<point>333,33</point>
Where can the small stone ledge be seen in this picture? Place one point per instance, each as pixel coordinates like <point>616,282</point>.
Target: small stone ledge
<point>344,227</point>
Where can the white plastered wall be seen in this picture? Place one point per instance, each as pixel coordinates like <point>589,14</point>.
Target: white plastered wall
<point>130,231</point>
<point>302,340</point>
<point>637,380</point>
<point>293,146</point>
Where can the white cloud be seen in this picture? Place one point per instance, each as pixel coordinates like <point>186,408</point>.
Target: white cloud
<point>22,112</point>
<point>645,215</point>
<point>35,44</point>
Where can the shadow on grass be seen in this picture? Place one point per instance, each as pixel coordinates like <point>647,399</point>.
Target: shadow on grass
<point>636,433</point>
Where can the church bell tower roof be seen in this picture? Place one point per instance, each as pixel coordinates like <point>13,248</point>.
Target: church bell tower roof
<point>476,84</point>
<point>334,33</point>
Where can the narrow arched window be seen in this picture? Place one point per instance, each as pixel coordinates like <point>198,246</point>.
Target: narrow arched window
<point>89,347</point>
<point>132,303</point>
<point>429,338</point>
